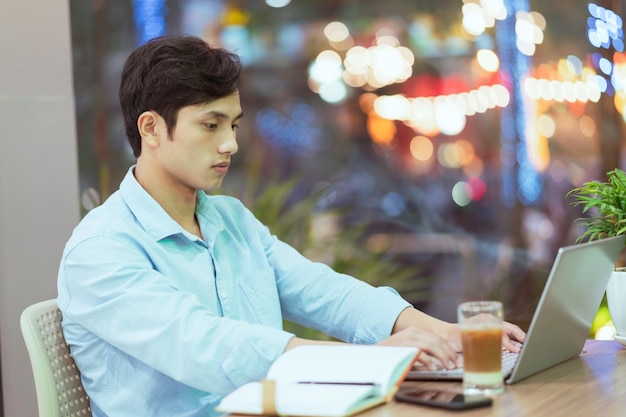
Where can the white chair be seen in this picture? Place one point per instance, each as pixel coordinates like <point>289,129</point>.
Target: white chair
<point>59,390</point>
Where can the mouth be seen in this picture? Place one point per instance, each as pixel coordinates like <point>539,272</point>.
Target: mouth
<point>221,167</point>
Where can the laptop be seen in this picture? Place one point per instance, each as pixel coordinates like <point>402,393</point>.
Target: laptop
<point>566,310</point>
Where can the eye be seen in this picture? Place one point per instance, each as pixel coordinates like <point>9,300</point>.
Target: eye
<point>235,127</point>
<point>211,126</point>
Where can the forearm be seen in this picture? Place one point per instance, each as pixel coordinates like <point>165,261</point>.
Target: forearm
<point>412,317</point>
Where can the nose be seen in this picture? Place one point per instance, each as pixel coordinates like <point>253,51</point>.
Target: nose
<point>229,144</point>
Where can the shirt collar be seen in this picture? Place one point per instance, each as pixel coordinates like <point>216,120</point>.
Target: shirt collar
<point>155,220</point>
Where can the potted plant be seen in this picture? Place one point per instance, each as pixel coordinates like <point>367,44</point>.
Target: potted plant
<point>604,204</point>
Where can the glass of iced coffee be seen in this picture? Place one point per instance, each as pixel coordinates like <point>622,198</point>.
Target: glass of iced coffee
<point>481,335</point>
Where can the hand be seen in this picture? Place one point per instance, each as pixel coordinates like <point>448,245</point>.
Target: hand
<point>433,349</point>
<point>510,335</point>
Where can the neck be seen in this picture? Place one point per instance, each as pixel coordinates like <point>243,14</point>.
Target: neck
<point>178,201</point>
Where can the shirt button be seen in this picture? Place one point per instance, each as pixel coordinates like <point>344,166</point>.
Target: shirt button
<point>224,294</point>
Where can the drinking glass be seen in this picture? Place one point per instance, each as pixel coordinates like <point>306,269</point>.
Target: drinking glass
<point>480,323</point>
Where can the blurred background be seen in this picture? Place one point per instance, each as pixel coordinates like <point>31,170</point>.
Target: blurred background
<point>425,145</point>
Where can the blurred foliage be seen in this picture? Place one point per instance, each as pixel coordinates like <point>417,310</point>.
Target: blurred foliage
<point>602,318</point>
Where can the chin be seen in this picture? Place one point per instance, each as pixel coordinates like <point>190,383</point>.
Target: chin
<point>207,188</point>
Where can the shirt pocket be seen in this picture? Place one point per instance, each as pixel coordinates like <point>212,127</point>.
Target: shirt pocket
<point>259,299</point>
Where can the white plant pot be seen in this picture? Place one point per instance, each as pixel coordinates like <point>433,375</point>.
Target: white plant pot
<point>616,299</point>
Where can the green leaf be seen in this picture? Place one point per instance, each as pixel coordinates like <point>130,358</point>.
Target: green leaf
<point>604,204</point>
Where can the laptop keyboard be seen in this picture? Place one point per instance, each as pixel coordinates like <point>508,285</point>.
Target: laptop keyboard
<point>420,371</point>
<point>508,362</point>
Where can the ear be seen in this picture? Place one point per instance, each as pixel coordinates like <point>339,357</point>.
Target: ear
<point>147,123</point>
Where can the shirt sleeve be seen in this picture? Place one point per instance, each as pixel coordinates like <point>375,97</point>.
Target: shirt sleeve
<point>314,295</point>
<point>110,289</point>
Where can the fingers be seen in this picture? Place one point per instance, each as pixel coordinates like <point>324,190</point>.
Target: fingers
<point>437,348</point>
<point>512,337</point>
<point>438,353</point>
<point>428,362</point>
<point>435,351</point>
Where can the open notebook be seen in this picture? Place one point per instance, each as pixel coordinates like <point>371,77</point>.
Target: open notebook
<point>566,310</point>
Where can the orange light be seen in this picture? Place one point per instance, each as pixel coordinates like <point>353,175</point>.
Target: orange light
<point>382,131</point>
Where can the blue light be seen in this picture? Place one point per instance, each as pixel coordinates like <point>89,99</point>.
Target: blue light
<point>605,66</point>
<point>149,19</point>
<point>393,204</point>
<point>605,28</point>
<point>520,181</point>
<point>601,83</point>
<point>294,131</point>
<point>576,64</point>
<point>507,155</point>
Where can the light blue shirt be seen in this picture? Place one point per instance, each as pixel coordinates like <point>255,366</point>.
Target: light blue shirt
<point>163,323</point>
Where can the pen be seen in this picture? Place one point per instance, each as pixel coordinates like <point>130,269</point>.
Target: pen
<point>336,383</point>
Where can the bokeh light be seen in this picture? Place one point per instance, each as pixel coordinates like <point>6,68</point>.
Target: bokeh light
<point>488,60</point>
<point>459,194</point>
<point>336,32</point>
<point>277,3</point>
<point>421,148</point>
<point>604,28</point>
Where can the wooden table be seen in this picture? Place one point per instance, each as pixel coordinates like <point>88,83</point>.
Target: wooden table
<point>590,385</point>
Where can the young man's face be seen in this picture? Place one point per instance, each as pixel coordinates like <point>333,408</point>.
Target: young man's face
<point>202,143</point>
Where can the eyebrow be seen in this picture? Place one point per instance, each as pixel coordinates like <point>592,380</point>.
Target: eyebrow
<point>221,115</point>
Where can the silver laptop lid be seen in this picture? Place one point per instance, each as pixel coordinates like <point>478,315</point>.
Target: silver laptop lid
<point>568,305</point>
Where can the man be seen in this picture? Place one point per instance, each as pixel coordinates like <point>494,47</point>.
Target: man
<point>172,298</point>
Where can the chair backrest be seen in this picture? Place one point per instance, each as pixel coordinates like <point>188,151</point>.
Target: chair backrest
<point>59,390</point>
